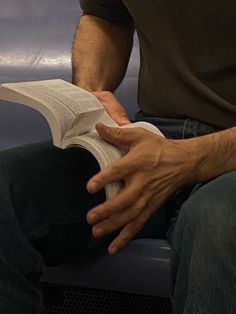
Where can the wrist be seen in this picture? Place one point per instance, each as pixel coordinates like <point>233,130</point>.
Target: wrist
<point>191,160</point>
<point>88,86</point>
<point>194,156</point>
<point>198,155</point>
<point>214,154</point>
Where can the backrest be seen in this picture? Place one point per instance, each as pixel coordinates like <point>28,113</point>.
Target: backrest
<point>35,44</point>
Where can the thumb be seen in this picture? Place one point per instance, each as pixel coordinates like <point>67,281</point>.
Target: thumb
<point>117,113</point>
<point>122,138</point>
<point>113,107</point>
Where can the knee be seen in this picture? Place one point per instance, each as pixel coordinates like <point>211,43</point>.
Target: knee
<point>204,247</point>
<point>208,217</point>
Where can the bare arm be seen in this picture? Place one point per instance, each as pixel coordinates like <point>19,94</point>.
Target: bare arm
<point>101,53</point>
<point>215,154</point>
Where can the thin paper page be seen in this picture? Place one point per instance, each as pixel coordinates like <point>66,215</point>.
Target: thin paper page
<point>64,99</point>
<point>65,116</point>
<point>76,98</point>
<point>110,152</point>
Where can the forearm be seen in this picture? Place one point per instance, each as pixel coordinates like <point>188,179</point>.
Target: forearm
<point>215,154</point>
<point>101,53</point>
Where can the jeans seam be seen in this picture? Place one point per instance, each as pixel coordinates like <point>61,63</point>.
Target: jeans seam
<point>184,127</point>
<point>38,232</point>
<point>42,230</point>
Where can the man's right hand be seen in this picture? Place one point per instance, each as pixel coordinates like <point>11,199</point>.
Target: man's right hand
<point>115,110</point>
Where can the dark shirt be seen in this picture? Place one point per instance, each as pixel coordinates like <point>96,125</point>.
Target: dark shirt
<point>188,55</point>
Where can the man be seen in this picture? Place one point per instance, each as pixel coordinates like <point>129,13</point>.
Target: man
<point>186,87</point>
<point>187,76</point>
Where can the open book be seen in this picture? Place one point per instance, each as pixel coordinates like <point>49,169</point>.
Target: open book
<point>71,113</point>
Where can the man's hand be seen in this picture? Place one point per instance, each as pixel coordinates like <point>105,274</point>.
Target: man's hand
<point>151,171</point>
<point>115,110</point>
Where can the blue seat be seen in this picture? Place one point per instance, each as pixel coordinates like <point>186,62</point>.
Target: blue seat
<point>36,38</point>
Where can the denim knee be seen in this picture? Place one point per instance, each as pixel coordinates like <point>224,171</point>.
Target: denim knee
<point>203,243</point>
<point>208,217</point>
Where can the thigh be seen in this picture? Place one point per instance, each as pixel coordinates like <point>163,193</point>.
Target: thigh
<point>210,210</point>
<point>203,245</point>
<point>48,193</point>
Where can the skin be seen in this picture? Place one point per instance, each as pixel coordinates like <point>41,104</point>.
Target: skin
<point>98,62</point>
<point>154,167</point>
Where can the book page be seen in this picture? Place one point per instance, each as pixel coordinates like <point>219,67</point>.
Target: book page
<point>60,102</point>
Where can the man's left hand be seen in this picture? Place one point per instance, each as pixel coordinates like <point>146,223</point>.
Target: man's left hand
<point>153,169</point>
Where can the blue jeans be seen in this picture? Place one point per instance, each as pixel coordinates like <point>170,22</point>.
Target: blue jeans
<point>43,203</point>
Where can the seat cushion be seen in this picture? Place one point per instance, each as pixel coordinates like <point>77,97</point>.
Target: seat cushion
<point>142,267</point>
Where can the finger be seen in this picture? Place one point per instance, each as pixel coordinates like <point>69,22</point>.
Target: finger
<point>117,112</point>
<point>121,137</point>
<point>128,233</point>
<point>119,219</point>
<point>113,173</point>
<point>113,107</point>
<point>131,229</point>
<point>126,200</point>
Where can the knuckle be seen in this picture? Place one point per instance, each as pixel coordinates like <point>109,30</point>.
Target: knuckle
<point>134,228</point>
<point>120,109</point>
<point>105,94</point>
<point>116,169</point>
<point>142,135</point>
<point>111,207</point>
<point>131,198</point>
<point>134,213</point>
<point>141,131</point>
<point>126,237</point>
<point>134,196</point>
<point>104,211</point>
<point>119,132</point>
<point>137,226</point>
<point>142,218</point>
<point>140,206</point>
<point>130,215</point>
<point>129,203</point>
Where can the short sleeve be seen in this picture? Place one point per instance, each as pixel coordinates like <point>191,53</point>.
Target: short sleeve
<point>111,10</point>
